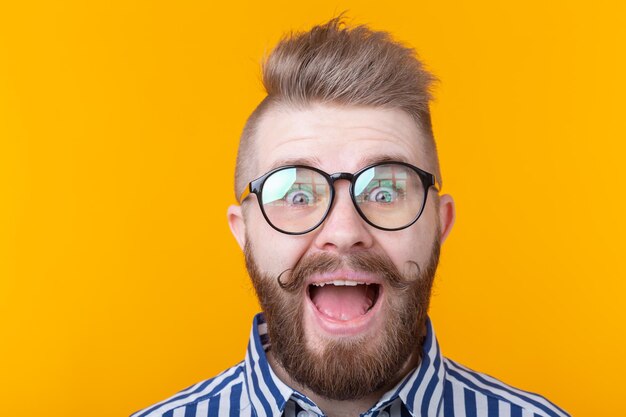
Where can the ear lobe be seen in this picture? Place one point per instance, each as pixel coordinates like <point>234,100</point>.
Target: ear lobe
<point>447,216</point>
<point>236,224</point>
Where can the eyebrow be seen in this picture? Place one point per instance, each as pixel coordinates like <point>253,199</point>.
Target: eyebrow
<point>308,161</point>
<point>363,162</point>
<point>316,162</point>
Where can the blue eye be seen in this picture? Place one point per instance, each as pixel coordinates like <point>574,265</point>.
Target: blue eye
<point>300,198</point>
<point>384,195</point>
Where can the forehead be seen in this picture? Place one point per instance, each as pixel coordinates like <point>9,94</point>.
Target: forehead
<point>336,138</point>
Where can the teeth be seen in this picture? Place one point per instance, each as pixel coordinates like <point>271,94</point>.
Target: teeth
<point>339,283</point>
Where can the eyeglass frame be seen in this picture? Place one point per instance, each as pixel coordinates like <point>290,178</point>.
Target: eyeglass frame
<point>256,187</point>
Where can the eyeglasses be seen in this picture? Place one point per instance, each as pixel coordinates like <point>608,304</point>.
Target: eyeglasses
<point>295,199</point>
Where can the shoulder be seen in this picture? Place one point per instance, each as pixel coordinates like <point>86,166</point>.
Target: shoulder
<point>483,392</point>
<point>204,398</point>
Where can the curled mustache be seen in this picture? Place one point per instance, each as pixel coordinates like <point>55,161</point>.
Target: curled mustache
<point>292,280</point>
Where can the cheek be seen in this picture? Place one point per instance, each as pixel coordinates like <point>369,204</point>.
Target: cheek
<point>274,251</point>
<point>412,244</point>
<point>401,252</point>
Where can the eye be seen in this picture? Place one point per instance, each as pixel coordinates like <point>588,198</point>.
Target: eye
<point>384,195</point>
<point>300,198</point>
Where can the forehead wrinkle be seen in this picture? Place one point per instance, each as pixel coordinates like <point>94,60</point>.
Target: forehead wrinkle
<point>314,134</point>
<point>315,161</point>
<point>389,132</point>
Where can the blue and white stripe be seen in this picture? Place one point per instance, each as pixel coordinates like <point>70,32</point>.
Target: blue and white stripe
<point>438,387</point>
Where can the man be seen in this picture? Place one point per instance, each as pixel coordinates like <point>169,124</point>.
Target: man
<point>341,221</point>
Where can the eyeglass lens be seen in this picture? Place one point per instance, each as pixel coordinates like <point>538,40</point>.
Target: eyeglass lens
<point>296,199</point>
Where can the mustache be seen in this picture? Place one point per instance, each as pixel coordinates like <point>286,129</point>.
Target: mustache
<point>293,279</point>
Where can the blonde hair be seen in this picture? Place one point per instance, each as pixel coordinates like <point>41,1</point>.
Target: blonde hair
<point>335,64</point>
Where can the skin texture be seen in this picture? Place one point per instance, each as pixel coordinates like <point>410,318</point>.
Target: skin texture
<point>339,139</point>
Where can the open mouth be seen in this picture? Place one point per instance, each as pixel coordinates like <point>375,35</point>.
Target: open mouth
<point>342,300</point>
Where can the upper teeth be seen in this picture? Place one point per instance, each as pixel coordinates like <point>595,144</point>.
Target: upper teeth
<point>339,282</point>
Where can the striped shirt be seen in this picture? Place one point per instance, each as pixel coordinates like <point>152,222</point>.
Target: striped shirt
<point>437,387</point>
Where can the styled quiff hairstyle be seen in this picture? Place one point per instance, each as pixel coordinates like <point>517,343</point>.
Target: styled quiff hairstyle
<point>336,64</point>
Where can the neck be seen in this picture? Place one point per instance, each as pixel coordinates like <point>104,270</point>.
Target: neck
<point>344,408</point>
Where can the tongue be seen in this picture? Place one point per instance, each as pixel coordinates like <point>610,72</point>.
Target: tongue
<point>342,302</point>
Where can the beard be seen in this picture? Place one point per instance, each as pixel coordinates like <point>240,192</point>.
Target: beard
<point>354,367</point>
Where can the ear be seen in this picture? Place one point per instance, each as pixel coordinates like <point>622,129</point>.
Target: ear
<point>237,225</point>
<point>447,215</point>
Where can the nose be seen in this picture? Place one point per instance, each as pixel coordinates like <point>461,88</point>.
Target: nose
<point>343,229</point>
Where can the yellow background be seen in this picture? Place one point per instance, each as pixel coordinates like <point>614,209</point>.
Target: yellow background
<point>119,281</point>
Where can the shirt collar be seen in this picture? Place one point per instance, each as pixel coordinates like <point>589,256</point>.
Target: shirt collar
<point>268,394</point>
<point>421,391</point>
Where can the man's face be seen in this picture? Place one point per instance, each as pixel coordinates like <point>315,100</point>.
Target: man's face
<point>342,340</point>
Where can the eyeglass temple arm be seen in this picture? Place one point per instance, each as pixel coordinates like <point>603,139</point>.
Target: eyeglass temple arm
<point>436,184</point>
<point>245,194</point>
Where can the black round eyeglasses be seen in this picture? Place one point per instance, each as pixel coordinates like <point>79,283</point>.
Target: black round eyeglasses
<point>296,199</point>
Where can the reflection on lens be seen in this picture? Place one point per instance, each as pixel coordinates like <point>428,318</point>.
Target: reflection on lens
<point>277,185</point>
<point>295,199</point>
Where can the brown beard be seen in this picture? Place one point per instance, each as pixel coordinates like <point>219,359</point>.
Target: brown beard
<point>346,369</point>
